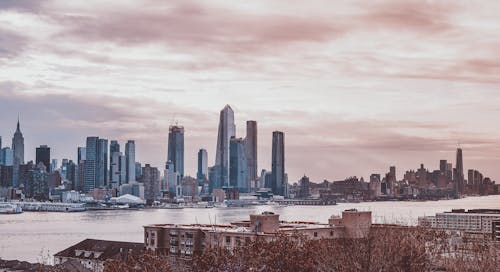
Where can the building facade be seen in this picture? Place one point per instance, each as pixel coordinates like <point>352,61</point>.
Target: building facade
<point>278,163</point>
<point>130,160</point>
<point>176,148</point>
<point>251,154</point>
<point>238,175</point>
<point>227,130</point>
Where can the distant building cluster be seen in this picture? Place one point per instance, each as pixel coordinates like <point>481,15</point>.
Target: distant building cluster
<point>445,182</point>
<point>104,172</point>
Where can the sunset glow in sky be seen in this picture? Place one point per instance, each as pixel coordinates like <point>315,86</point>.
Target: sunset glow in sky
<point>356,86</point>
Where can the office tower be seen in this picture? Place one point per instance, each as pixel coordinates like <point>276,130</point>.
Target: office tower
<point>114,147</point>
<point>459,172</point>
<point>251,149</point>
<point>278,163</point>
<point>130,154</point>
<point>442,165</point>
<point>122,166</point>
<point>0,142</point>
<point>53,166</point>
<point>150,178</point>
<point>227,129</point>
<point>18,150</point>
<point>43,155</point>
<point>262,179</point>
<point>238,176</point>
<point>82,154</point>
<point>40,186</point>
<point>70,173</point>
<point>202,174</point>
<point>138,171</point>
<point>6,175</point>
<point>176,148</point>
<point>26,178</point>
<point>114,169</point>
<point>7,156</point>
<point>449,171</point>
<point>172,178</point>
<point>91,161</point>
<point>102,164</point>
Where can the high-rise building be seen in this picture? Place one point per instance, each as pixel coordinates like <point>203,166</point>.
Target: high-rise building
<point>96,164</point>
<point>459,172</point>
<point>278,163</point>
<point>176,148</point>
<point>43,155</point>
<point>238,176</point>
<point>150,178</point>
<point>82,154</point>
<point>91,161</point>
<point>130,154</point>
<point>170,177</point>
<point>202,173</point>
<point>53,166</point>
<point>227,129</point>
<point>138,171</point>
<point>251,150</point>
<point>115,169</point>
<point>18,150</point>
<point>114,147</point>
<point>7,156</point>
<point>102,164</point>
<point>122,166</point>
<point>442,165</point>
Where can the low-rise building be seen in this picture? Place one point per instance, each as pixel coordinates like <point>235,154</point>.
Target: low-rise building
<point>93,254</point>
<point>471,221</point>
<point>182,241</point>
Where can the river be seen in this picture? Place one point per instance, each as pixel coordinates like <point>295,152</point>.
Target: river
<point>34,236</point>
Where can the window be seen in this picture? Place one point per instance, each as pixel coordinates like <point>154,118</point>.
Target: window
<point>331,233</point>
<point>315,234</point>
<point>228,239</point>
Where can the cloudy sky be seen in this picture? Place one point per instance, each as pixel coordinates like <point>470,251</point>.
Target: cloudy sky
<point>356,86</point>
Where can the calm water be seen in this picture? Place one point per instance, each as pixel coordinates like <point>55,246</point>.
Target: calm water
<point>28,236</point>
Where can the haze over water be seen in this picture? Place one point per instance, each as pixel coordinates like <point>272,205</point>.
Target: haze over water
<point>29,235</point>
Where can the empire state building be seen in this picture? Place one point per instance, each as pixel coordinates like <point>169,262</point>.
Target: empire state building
<point>18,150</point>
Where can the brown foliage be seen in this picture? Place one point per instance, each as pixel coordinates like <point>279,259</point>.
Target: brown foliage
<point>143,262</point>
<point>386,249</point>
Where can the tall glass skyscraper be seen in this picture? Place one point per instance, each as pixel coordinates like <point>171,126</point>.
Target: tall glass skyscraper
<point>91,155</point>
<point>238,177</point>
<point>176,148</point>
<point>202,173</point>
<point>18,150</point>
<point>43,156</point>
<point>130,155</point>
<point>459,172</point>
<point>227,130</point>
<point>251,154</point>
<point>102,164</point>
<point>278,163</point>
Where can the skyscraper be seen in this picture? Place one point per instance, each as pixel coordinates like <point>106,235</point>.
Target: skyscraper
<point>7,156</point>
<point>459,174</point>
<point>176,148</point>
<point>114,147</point>
<point>43,156</point>
<point>170,177</point>
<point>18,150</point>
<point>227,129</point>
<point>114,169</point>
<point>130,155</point>
<point>238,176</point>
<point>251,154</point>
<point>82,154</point>
<point>91,161</point>
<point>278,163</point>
<point>202,173</point>
<point>102,164</point>
<point>150,179</point>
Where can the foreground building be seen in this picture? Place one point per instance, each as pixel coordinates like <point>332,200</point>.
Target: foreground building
<point>93,254</point>
<point>183,241</point>
<point>481,222</point>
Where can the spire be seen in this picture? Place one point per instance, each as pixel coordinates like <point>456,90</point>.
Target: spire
<point>18,129</point>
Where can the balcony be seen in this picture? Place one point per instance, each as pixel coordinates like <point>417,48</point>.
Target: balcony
<point>174,234</point>
<point>174,242</point>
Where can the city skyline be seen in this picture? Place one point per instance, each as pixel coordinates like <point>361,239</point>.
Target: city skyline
<point>355,88</point>
<point>107,178</point>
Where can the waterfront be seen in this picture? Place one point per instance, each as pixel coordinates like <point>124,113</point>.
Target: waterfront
<point>31,235</point>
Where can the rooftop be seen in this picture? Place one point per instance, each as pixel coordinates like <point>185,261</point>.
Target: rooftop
<point>99,249</point>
